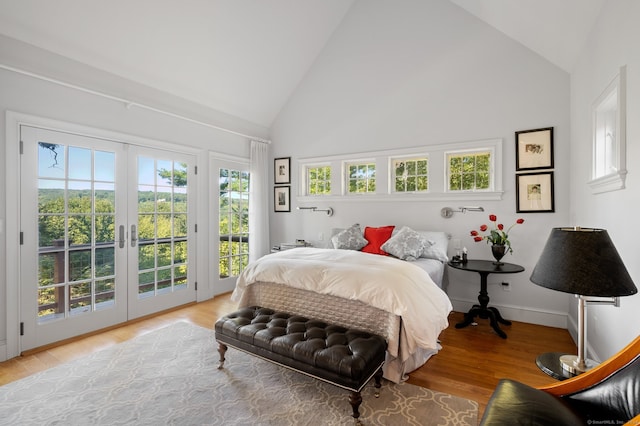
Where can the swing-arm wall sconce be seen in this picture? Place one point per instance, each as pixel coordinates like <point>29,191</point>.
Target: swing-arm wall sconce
<point>329,210</point>
<point>447,212</point>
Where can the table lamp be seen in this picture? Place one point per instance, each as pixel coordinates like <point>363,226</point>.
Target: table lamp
<point>584,262</point>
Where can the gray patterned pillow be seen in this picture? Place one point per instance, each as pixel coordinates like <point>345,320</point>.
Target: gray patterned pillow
<point>349,239</point>
<point>407,244</point>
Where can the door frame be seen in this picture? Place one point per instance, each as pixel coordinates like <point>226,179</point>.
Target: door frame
<point>219,286</point>
<point>13,122</point>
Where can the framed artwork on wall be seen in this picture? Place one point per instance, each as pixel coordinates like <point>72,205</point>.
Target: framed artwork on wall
<point>534,149</point>
<point>282,199</point>
<point>282,170</point>
<point>534,193</point>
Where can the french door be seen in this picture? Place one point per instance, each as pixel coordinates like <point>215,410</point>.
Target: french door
<point>107,233</point>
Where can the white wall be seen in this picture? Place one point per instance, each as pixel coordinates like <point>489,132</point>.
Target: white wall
<point>612,44</point>
<point>416,73</point>
<point>35,97</point>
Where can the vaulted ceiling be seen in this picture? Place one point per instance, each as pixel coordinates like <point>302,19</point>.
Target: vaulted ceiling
<point>246,57</point>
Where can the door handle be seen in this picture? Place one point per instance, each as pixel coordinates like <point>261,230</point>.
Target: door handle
<point>134,236</point>
<point>121,237</point>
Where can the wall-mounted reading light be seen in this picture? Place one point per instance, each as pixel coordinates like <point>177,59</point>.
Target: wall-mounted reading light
<point>329,210</point>
<point>447,212</point>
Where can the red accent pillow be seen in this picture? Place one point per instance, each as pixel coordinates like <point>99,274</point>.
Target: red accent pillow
<point>376,238</point>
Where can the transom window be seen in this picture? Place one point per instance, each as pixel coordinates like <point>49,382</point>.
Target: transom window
<point>410,174</point>
<point>318,180</point>
<point>469,171</point>
<point>361,178</point>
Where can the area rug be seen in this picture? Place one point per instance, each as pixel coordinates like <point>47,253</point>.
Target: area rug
<point>170,376</point>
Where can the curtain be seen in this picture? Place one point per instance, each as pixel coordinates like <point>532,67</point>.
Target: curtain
<point>259,201</point>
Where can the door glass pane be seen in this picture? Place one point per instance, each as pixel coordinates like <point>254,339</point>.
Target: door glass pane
<point>105,293</point>
<point>51,160</point>
<point>162,191</point>
<point>79,197</point>
<point>233,222</point>
<point>79,163</point>
<point>76,230</point>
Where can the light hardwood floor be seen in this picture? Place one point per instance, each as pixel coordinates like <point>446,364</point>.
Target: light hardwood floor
<point>471,363</point>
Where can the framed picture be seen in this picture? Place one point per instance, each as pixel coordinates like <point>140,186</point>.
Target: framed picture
<point>282,199</point>
<point>534,193</point>
<point>534,149</point>
<point>282,170</point>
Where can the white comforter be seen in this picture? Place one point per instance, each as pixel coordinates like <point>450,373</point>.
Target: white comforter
<point>387,283</point>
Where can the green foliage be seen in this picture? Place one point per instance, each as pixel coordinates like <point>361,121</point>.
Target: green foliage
<point>362,178</point>
<point>411,175</point>
<point>319,180</point>
<point>469,172</point>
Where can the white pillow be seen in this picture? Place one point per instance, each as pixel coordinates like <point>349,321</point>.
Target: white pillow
<point>406,244</point>
<point>349,239</point>
<point>439,247</point>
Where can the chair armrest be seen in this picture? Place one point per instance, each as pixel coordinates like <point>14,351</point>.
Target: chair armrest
<point>597,374</point>
<point>634,421</point>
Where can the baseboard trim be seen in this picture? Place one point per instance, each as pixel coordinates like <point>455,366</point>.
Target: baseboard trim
<point>520,313</point>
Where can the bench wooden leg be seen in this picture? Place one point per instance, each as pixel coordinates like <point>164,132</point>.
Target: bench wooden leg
<point>222,349</point>
<point>378,385</point>
<point>355,399</point>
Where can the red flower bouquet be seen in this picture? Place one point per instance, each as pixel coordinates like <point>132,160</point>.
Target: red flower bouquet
<point>497,235</point>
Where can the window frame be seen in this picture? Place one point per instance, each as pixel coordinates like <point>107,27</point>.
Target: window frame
<point>461,153</point>
<point>306,181</point>
<point>392,172</point>
<point>437,174</point>
<point>346,178</point>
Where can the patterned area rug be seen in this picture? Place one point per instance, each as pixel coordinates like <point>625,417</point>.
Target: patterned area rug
<point>170,376</point>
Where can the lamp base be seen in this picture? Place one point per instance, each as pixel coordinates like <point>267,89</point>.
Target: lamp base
<point>570,363</point>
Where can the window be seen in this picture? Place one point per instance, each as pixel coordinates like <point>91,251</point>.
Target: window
<point>361,178</point>
<point>410,174</point>
<point>318,180</point>
<point>233,222</point>
<point>609,137</point>
<point>469,171</point>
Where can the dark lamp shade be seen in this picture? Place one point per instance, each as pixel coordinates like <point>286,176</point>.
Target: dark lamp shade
<point>582,261</point>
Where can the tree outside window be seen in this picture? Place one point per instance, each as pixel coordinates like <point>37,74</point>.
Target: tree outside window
<point>410,174</point>
<point>469,171</point>
<point>361,178</point>
<point>319,180</point>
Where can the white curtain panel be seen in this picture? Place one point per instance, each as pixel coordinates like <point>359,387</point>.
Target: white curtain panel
<point>259,201</point>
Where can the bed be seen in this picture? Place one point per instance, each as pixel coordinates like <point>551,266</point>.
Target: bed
<point>398,299</point>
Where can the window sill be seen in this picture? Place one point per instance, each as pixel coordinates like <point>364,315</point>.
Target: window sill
<point>612,182</point>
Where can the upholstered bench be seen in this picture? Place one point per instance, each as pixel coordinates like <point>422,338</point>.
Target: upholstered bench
<point>344,357</point>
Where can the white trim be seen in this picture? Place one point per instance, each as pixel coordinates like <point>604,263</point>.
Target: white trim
<point>12,233</point>
<point>601,108</point>
<point>400,197</point>
<point>495,148</point>
<point>392,174</point>
<point>304,180</point>
<point>345,176</point>
<point>215,285</point>
<point>12,178</point>
<point>437,177</point>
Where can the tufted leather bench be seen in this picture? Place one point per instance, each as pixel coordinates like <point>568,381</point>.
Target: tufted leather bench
<point>344,357</point>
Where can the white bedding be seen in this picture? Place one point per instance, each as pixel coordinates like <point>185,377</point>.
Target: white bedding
<point>434,268</point>
<point>387,283</point>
